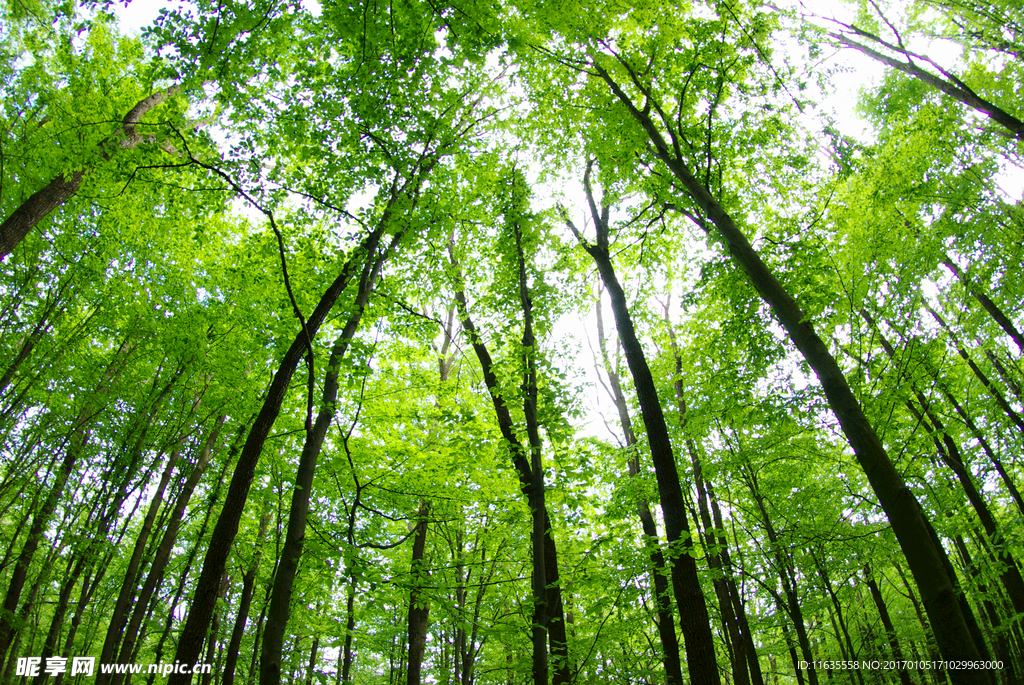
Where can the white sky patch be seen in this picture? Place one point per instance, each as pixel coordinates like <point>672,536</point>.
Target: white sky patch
<point>137,15</point>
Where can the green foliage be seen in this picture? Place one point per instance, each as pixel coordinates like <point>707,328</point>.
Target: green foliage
<point>155,301</point>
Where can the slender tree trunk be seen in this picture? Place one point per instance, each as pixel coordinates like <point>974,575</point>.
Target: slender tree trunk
<point>553,595</point>
<point>838,617</point>
<point>40,522</point>
<point>753,662</point>
<point>950,454</point>
<point>418,620</point>
<point>310,669</point>
<point>964,416</point>
<point>350,626</point>
<point>926,558</point>
<point>890,630</point>
<point>717,545</point>
<point>793,658</point>
<point>693,612</point>
<point>994,311</point>
<point>211,642</point>
<point>950,85</point>
<point>163,554</point>
<point>1005,374</point>
<point>124,598</point>
<point>51,645</point>
<point>244,602</point>
<point>981,375</point>
<point>786,575</point>
<point>997,635</point>
<point>196,624</point>
<point>51,311</point>
<point>1011,487</point>
<point>182,578</point>
<point>659,574</point>
<point>284,579</point>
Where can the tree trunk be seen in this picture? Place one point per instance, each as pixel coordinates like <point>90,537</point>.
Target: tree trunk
<point>35,534</point>
<point>787,577</point>
<point>418,608</point>
<point>994,311</point>
<point>128,585</point>
<point>163,553</point>
<point>284,579</point>
<point>950,454</point>
<point>200,611</point>
<point>311,667</point>
<point>979,374</point>
<point>59,190</point>
<point>950,85</point>
<point>553,594</point>
<point>926,558</point>
<point>717,545</point>
<point>838,607</point>
<point>244,602</point>
<point>890,630</point>
<point>997,634</point>
<point>659,576</point>
<point>693,612</point>
<point>350,626</point>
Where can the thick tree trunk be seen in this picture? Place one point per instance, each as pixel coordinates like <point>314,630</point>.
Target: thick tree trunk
<point>284,579</point>
<point>659,575</point>
<point>926,558</point>
<point>693,612</point>
<point>59,190</point>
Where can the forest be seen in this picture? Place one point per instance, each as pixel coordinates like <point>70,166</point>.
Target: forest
<point>512,341</point>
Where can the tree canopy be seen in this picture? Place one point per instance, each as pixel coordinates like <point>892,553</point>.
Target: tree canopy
<point>520,342</point>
